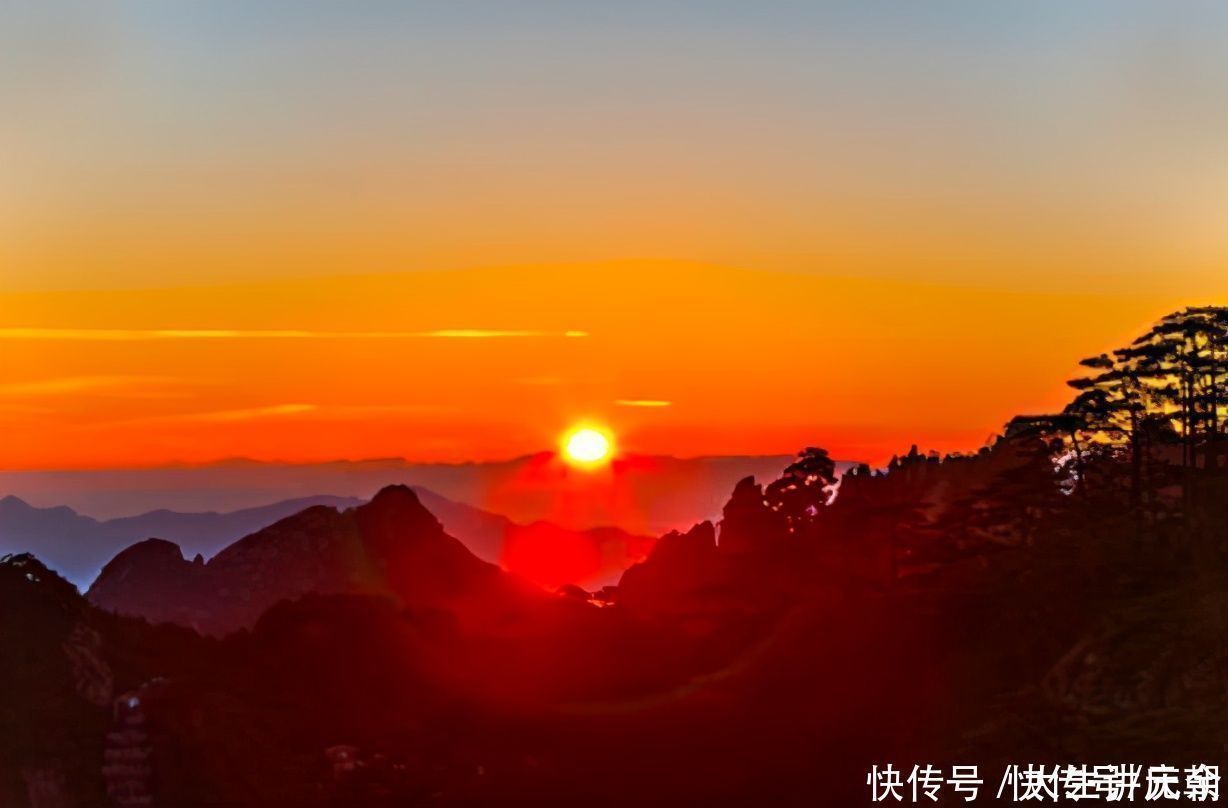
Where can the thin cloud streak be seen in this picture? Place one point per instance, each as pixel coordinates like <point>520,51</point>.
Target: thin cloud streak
<point>68,385</point>
<point>643,402</point>
<point>217,416</point>
<point>147,334</point>
<point>226,416</point>
<point>325,412</point>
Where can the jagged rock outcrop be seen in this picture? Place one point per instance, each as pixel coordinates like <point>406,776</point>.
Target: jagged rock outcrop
<point>747,563</point>
<point>748,525</point>
<point>679,569</point>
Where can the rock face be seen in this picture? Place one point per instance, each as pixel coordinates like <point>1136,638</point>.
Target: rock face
<point>390,546</point>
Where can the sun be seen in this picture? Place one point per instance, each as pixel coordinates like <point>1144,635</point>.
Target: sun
<point>587,446</point>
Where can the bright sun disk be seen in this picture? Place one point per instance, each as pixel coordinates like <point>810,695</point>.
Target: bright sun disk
<point>586,446</point>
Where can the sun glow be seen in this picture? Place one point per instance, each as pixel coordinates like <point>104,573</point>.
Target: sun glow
<point>586,446</point>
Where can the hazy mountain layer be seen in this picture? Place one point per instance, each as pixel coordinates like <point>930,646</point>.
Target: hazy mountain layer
<point>77,546</point>
<point>641,494</point>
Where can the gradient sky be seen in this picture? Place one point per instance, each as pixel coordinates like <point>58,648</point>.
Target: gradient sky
<point>447,230</point>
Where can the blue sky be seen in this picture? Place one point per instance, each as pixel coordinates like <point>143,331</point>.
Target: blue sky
<point>767,134</point>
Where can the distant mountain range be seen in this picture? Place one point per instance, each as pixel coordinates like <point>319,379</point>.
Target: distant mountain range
<point>77,546</point>
<point>391,546</point>
<point>638,493</point>
<point>534,515</point>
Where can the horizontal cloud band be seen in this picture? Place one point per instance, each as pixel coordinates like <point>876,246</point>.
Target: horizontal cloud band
<point>131,334</point>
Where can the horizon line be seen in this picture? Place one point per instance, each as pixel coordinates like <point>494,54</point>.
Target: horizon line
<point>242,460</point>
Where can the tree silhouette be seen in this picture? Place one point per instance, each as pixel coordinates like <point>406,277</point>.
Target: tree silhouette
<point>1012,506</point>
<point>804,489</point>
<point>1177,370</point>
<point>1158,404</point>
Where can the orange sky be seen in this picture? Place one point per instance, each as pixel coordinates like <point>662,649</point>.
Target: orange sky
<point>479,364</point>
<point>313,231</point>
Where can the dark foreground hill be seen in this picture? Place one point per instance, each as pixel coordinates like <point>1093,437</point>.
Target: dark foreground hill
<point>761,660</point>
<point>357,699</point>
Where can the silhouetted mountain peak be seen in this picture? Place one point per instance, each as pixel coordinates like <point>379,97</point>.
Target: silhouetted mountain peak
<point>397,507</point>
<point>397,493</point>
<point>148,557</point>
<point>12,507</point>
<point>150,549</point>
